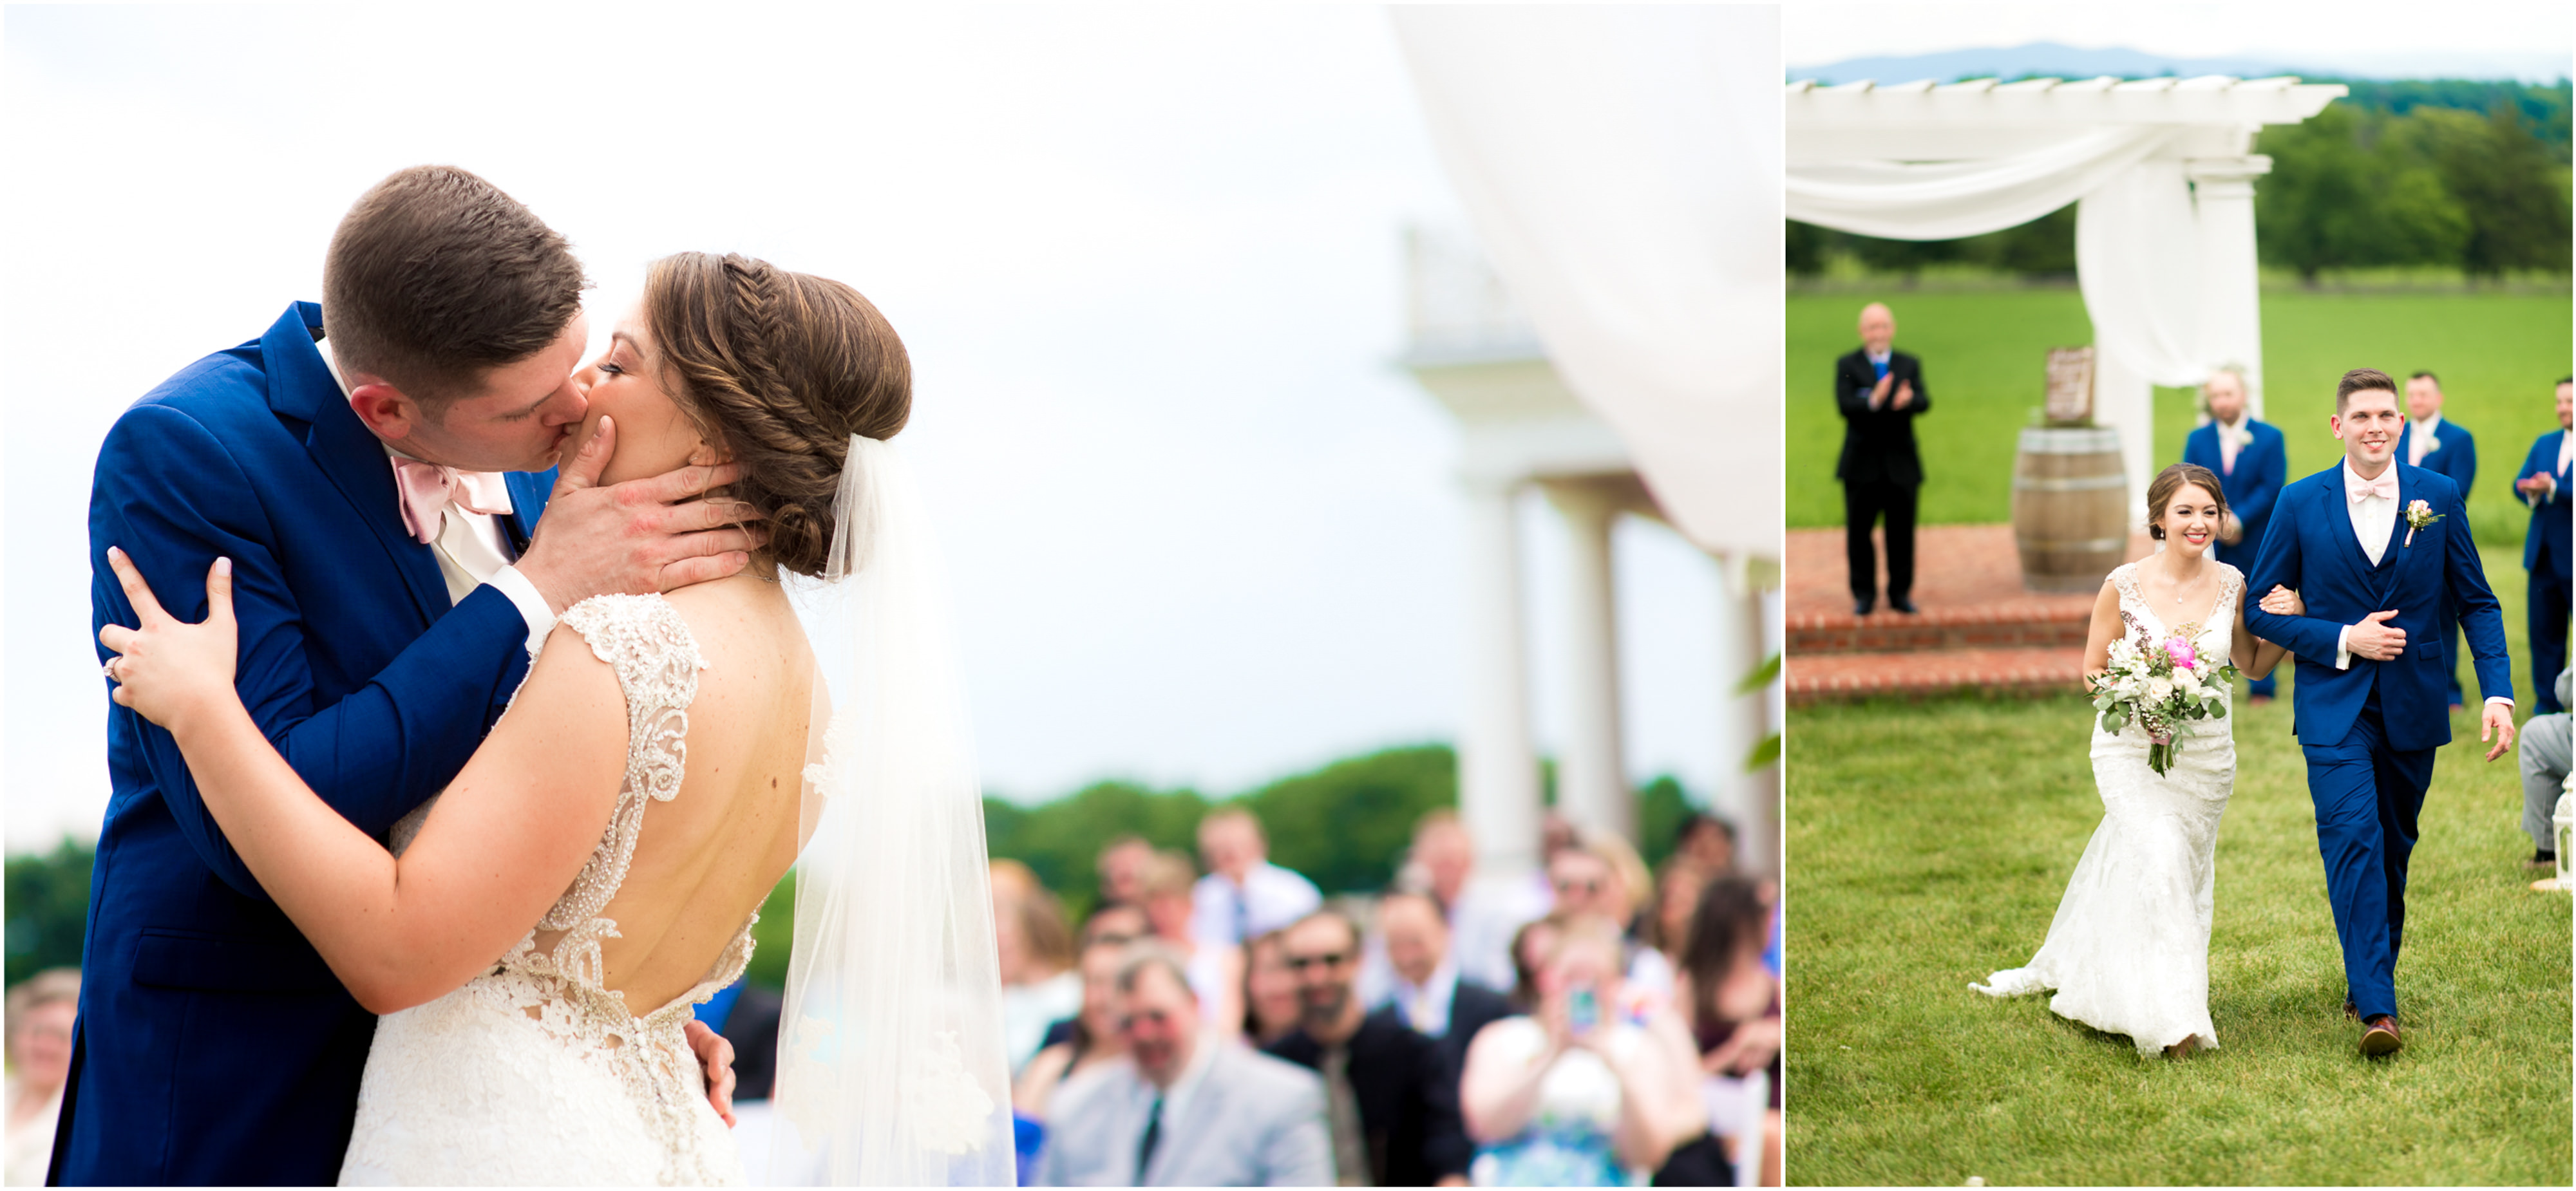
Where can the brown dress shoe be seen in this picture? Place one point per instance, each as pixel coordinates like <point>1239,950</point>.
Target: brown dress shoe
<point>2381,1038</point>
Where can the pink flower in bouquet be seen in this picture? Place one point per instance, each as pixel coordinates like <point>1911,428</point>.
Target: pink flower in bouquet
<point>2179,649</point>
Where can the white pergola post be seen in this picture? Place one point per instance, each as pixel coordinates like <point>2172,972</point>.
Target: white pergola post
<point>2231,286</point>
<point>1743,720</point>
<point>1498,791</point>
<point>2125,401</point>
<point>1591,780</point>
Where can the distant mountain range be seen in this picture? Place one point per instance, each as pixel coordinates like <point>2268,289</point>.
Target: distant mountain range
<point>2073,62</point>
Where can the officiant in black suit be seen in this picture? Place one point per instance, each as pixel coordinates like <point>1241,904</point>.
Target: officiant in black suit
<point>1880,392</point>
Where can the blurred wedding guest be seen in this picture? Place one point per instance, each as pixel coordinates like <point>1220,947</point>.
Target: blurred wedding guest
<point>1530,946</point>
<point>1706,840</point>
<point>40,1057</point>
<point>2252,460</point>
<point>1733,1004</point>
<point>1244,894</point>
<point>2543,484</point>
<point>1270,1007</point>
<point>2434,443</point>
<point>1118,922</point>
<point>1677,894</point>
<point>1429,993</point>
<point>1122,869</point>
<point>1090,1040</point>
<point>1482,911</point>
<point>1603,876</point>
<point>1879,392</point>
<point>1184,1108</point>
<point>1390,1098</point>
<point>1039,985</point>
<point>2544,756</point>
<point>1215,969</point>
<point>1575,1094</point>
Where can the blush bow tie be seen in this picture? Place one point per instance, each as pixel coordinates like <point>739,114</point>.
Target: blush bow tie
<point>2358,488</point>
<point>428,488</point>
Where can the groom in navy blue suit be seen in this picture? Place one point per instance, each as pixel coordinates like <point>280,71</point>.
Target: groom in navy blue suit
<point>390,585</point>
<point>2374,546</point>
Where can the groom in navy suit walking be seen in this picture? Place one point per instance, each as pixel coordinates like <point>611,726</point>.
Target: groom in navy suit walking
<point>390,583</point>
<point>2374,546</point>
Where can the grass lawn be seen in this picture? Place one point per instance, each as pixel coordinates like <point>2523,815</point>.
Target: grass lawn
<point>1984,357</point>
<point>1929,844</point>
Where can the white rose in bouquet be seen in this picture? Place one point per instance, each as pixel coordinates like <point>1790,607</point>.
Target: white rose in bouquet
<point>2186,682</point>
<point>2159,690</point>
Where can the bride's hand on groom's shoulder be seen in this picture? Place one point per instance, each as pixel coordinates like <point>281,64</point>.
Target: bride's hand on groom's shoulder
<point>168,670</point>
<point>640,536</point>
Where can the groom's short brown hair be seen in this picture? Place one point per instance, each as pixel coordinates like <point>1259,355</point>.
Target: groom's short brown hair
<point>2361,380</point>
<point>435,277</point>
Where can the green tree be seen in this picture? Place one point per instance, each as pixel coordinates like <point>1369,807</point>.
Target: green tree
<point>2505,181</point>
<point>48,900</point>
<point>1346,825</point>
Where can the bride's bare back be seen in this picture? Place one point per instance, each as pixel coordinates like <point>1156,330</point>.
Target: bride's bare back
<point>705,859</point>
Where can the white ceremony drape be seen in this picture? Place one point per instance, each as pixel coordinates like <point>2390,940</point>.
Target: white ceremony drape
<point>1620,166</point>
<point>2136,239</point>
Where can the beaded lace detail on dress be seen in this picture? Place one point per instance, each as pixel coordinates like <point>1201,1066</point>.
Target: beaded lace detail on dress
<point>559,989</point>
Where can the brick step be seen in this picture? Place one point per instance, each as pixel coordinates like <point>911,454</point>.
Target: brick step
<point>2027,670</point>
<point>2013,624</point>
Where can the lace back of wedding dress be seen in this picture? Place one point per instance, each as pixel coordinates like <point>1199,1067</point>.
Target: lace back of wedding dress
<point>564,1081</point>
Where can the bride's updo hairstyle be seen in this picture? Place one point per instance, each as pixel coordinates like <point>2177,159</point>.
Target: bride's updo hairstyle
<point>781,369</point>
<point>2160,492</point>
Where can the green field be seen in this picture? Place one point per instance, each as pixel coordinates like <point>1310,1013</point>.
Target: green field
<point>1984,353</point>
<point>1931,842</point>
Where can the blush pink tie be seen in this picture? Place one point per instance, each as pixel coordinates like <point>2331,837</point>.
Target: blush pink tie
<point>428,488</point>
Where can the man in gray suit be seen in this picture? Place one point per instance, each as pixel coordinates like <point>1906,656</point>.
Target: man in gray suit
<point>1184,1109</point>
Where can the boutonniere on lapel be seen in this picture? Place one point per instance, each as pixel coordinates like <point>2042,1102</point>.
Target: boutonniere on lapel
<point>2418,515</point>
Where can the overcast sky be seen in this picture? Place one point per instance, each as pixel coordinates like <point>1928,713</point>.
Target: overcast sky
<point>1147,263</point>
<point>2372,35</point>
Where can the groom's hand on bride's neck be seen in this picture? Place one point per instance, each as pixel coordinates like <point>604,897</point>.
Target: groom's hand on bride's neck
<point>649,535</point>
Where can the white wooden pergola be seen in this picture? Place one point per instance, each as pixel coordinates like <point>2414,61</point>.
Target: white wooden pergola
<point>2004,153</point>
<point>1522,427</point>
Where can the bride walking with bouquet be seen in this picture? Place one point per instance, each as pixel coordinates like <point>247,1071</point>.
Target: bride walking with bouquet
<point>2128,952</point>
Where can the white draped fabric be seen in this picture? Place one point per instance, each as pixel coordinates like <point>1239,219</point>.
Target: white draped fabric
<point>1621,168</point>
<point>2136,241</point>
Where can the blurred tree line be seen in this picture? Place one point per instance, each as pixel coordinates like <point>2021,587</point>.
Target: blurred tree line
<point>2451,174</point>
<point>1345,826</point>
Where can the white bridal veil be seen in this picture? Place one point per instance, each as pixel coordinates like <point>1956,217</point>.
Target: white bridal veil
<point>890,1055</point>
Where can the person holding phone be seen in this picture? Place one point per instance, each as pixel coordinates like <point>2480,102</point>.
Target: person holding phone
<point>1580,1092</point>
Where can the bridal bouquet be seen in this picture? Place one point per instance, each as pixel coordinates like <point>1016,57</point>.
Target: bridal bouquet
<point>2158,684</point>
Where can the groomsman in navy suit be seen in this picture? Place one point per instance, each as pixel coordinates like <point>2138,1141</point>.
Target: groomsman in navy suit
<point>2435,443</point>
<point>2373,545</point>
<point>2252,461</point>
<point>2543,484</point>
<point>391,582</point>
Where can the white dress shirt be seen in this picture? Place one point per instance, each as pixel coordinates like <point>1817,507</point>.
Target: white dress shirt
<point>1425,1006</point>
<point>471,548</point>
<point>1271,897</point>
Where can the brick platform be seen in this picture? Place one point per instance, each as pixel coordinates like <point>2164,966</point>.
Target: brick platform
<point>1976,628</point>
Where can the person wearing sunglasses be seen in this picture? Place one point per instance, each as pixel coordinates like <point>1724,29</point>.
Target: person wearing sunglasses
<point>1390,1105</point>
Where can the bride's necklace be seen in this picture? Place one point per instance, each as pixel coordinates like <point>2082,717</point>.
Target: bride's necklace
<point>2183,589</point>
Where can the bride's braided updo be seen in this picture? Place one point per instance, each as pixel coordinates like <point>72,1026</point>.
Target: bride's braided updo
<point>781,369</point>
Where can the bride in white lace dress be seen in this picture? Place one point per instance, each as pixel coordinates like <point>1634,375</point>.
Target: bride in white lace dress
<point>2128,952</point>
<point>538,937</point>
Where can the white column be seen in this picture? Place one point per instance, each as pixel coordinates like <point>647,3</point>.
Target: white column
<point>1498,790</point>
<point>2231,329</point>
<point>1591,781</point>
<point>1749,799</point>
<point>2124,401</point>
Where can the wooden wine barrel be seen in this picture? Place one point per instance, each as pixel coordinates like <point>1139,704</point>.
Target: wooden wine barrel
<point>2070,507</point>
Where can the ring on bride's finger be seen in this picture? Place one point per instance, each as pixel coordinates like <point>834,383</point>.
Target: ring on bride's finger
<point>110,668</point>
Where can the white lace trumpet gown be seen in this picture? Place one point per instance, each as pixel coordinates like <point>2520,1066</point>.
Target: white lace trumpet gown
<point>2129,950</point>
<point>534,1073</point>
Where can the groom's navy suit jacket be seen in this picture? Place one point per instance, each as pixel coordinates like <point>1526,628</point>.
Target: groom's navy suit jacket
<point>213,1045</point>
<point>2311,549</point>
